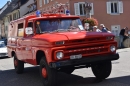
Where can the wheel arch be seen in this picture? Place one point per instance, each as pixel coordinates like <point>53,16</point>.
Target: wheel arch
<point>12,53</point>
<point>40,54</point>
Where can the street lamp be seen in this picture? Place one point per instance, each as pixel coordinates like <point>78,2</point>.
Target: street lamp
<point>88,8</point>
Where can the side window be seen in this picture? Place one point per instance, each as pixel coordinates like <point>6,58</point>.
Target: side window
<point>38,30</point>
<point>20,30</point>
<point>30,24</point>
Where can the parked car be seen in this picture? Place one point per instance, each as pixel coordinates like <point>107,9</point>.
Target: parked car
<point>3,49</point>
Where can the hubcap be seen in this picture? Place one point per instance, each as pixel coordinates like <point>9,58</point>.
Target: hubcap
<point>44,72</point>
<point>15,62</point>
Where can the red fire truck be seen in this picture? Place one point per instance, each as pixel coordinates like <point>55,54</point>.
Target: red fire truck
<point>58,42</point>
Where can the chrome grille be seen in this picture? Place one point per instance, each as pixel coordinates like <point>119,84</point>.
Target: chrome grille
<point>87,50</point>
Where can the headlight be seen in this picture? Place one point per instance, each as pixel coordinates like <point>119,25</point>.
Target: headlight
<point>113,48</point>
<point>59,55</point>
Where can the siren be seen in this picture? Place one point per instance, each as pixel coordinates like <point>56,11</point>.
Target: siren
<point>38,13</point>
<point>67,12</point>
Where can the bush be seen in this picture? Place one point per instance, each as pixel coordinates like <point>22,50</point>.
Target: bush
<point>91,21</point>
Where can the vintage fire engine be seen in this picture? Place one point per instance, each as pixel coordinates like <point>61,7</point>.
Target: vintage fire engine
<point>58,42</point>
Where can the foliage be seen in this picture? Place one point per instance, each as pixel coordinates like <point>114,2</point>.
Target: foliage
<point>91,21</point>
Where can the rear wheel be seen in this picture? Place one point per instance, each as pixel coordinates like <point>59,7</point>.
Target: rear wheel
<point>102,70</point>
<point>48,75</point>
<point>18,65</point>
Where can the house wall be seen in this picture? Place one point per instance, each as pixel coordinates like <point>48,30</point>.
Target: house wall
<point>51,2</point>
<point>6,23</point>
<point>24,9</point>
<point>2,28</point>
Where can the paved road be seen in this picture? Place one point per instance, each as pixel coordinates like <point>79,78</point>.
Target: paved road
<point>120,75</point>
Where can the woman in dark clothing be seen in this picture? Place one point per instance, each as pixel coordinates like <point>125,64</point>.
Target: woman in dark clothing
<point>122,32</point>
<point>122,36</point>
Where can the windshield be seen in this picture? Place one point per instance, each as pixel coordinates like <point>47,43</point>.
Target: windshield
<point>59,25</point>
<point>2,44</point>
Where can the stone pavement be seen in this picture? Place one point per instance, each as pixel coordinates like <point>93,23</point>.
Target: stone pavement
<point>120,75</point>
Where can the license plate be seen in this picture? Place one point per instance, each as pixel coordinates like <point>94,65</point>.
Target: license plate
<point>76,56</point>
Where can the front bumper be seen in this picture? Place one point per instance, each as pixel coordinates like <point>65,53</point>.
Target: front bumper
<point>88,60</point>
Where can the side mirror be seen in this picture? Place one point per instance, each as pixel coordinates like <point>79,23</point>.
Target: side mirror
<point>29,30</point>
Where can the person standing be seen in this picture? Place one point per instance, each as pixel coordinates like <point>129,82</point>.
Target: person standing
<point>121,35</point>
<point>102,28</point>
<point>95,29</point>
<point>108,30</point>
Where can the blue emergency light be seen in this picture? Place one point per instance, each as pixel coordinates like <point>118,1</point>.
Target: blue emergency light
<point>38,13</point>
<point>67,12</point>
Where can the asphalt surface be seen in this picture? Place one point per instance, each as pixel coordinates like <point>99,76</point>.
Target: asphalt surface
<point>120,75</point>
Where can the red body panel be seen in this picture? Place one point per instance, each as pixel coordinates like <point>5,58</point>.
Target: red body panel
<point>81,42</point>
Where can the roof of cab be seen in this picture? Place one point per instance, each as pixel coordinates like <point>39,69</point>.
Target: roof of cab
<point>44,16</point>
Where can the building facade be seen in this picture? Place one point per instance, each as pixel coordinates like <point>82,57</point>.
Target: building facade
<point>112,13</point>
<point>12,11</point>
<point>28,7</point>
<point>3,11</point>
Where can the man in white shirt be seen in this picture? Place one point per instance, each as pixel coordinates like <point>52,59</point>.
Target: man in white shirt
<point>95,29</point>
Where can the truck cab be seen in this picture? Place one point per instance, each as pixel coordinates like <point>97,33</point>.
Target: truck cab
<point>58,42</point>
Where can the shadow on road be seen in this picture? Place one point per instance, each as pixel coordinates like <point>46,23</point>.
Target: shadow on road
<point>31,77</point>
<point>6,57</point>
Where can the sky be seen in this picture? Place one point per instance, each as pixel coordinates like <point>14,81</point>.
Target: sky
<point>3,2</point>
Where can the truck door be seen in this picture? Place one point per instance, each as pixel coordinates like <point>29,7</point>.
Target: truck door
<point>20,34</point>
<point>27,46</point>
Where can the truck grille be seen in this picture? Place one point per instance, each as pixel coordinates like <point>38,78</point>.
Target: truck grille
<point>89,40</point>
<point>86,50</point>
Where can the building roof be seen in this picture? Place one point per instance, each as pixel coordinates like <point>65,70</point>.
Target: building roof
<point>8,9</point>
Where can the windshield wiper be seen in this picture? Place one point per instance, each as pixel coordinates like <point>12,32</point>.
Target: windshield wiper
<point>46,32</point>
<point>58,30</point>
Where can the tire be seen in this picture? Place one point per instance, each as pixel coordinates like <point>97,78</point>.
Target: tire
<point>68,70</point>
<point>102,70</point>
<point>18,65</point>
<point>48,75</point>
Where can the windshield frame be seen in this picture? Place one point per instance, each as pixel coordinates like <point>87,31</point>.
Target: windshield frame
<point>59,30</point>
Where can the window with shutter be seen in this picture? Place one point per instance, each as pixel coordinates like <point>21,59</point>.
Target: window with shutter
<point>114,7</point>
<point>108,7</point>
<point>40,3</point>
<point>120,7</point>
<point>80,9</point>
<point>76,7</point>
<point>46,1</point>
<point>92,10</point>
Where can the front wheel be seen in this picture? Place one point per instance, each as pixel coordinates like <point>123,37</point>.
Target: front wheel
<point>48,75</point>
<point>18,65</point>
<point>102,70</point>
